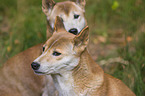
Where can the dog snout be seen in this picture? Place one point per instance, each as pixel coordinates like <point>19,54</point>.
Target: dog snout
<point>73,31</point>
<point>35,65</point>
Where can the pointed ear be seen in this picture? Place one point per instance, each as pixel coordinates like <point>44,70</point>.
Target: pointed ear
<point>58,24</point>
<point>47,6</point>
<point>49,31</point>
<point>81,3</point>
<point>81,40</point>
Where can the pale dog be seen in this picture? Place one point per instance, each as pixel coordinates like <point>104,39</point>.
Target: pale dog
<point>73,70</point>
<point>71,13</point>
<point>16,76</point>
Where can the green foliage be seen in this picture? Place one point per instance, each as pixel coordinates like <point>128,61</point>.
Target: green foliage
<point>134,72</point>
<point>115,5</point>
<point>27,25</point>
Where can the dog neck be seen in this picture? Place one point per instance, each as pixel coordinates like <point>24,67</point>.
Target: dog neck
<point>64,84</point>
<point>81,80</point>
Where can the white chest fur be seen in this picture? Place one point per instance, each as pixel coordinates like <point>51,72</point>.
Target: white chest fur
<point>64,84</point>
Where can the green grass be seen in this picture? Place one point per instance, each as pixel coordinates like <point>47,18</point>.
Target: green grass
<point>26,27</point>
<point>134,73</point>
<point>27,24</point>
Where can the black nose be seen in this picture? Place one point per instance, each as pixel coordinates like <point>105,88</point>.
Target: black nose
<point>35,65</point>
<point>74,31</point>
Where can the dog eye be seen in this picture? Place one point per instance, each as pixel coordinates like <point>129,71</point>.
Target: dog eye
<point>43,49</point>
<point>76,16</point>
<point>56,53</point>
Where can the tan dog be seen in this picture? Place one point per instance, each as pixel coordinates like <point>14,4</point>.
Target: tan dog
<point>74,72</point>
<point>16,76</point>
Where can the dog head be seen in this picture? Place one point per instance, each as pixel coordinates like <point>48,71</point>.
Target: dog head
<point>71,13</point>
<point>61,51</point>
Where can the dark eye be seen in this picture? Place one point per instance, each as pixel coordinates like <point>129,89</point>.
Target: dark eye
<point>76,16</point>
<point>43,49</point>
<point>56,53</point>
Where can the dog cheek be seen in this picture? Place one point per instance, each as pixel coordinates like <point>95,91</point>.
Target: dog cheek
<point>59,58</point>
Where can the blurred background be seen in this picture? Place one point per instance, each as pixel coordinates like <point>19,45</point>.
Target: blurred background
<point>117,31</point>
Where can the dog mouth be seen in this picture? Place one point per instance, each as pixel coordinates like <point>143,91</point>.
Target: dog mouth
<point>42,73</point>
<point>48,72</point>
<point>38,72</point>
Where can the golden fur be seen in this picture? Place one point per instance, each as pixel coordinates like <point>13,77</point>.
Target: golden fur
<point>16,77</point>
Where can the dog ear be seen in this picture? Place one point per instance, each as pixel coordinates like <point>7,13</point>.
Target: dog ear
<point>81,3</point>
<point>58,24</point>
<point>47,6</point>
<point>49,31</point>
<point>81,40</point>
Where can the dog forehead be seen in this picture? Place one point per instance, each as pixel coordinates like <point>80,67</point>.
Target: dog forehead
<point>67,7</point>
<point>59,40</point>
